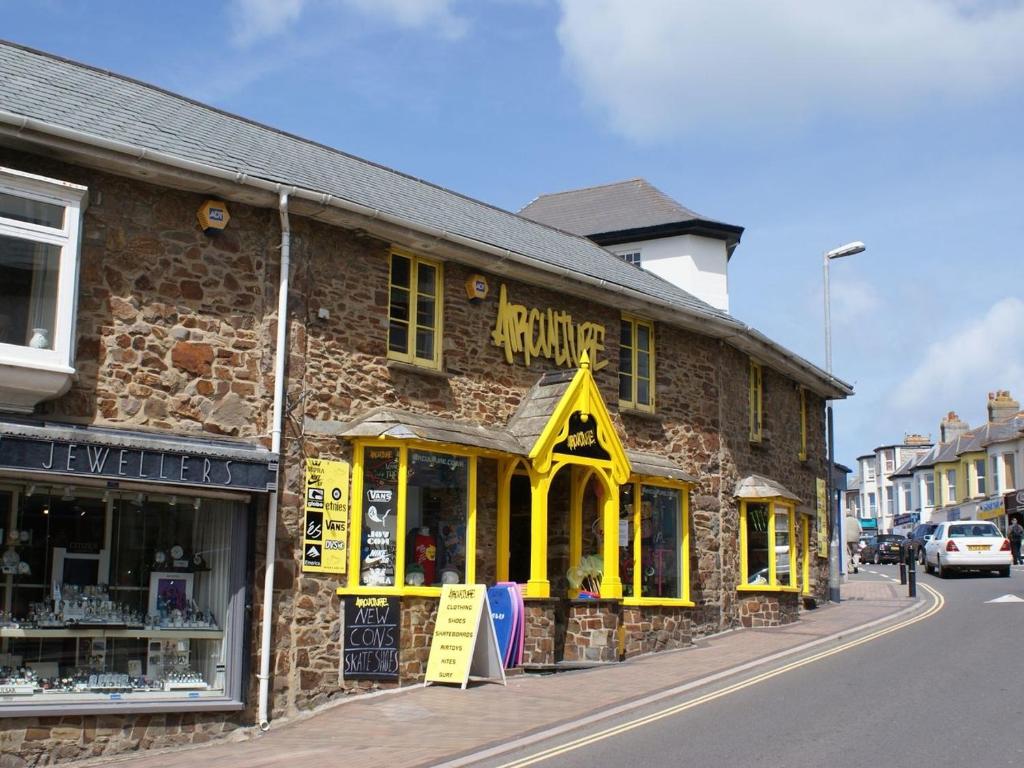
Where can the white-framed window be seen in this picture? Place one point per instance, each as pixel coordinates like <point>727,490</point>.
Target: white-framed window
<point>929,489</point>
<point>869,473</point>
<point>950,486</point>
<point>979,477</point>
<point>908,503</point>
<point>1009,479</point>
<point>889,462</point>
<point>630,257</point>
<point>40,224</point>
<point>872,506</point>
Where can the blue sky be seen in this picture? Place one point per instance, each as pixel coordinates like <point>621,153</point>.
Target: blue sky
<point>810,124</point>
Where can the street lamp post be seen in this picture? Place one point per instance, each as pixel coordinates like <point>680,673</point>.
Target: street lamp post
<point>835,561</point>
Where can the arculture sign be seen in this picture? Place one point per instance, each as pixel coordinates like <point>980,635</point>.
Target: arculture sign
<point>546,333</point>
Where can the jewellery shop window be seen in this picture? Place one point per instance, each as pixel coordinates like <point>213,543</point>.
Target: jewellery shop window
<point>768,546</point>
<point>434,521</point>
<point>655,568</point>
<point>118,597</point>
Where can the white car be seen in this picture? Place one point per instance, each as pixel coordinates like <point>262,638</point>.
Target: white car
<point>967,545</point>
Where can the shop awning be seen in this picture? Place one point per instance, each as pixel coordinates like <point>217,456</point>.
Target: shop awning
<point>406,425</point>
<point>759,487</point>
<point>653,465</point>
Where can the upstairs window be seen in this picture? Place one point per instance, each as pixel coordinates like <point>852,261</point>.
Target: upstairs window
<point>756,402</point>
<point>40,222</point>
<point>929,489</point>
<point>950,478</point>
<point>631,257</point>
<point>802,455</point>
<point>980,484</point>
<point>414,311</point>
<point>636,364</point>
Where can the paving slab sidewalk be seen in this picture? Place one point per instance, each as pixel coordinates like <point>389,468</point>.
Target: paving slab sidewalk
<point>428,725</point>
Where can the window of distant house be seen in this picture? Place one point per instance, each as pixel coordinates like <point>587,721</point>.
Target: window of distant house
<point>950,486</point>
<point>888,500</point>
<point>414,310</point>
<point>756,402</point>
<point>1008,474</point>
<point>907,498</point>
<point>636,364</point>
<point>869,473</point>
<point>631,257</point>
<point>979,477</point>
<point>39,245</point>
<point>802,455</point>
<point>767,545</point>
<point>872,506</point>
<point>889,461</point>
<point>929,489</point>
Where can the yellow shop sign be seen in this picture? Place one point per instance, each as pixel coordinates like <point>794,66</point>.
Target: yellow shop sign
<point>546,333</point>
<point>325,537</point>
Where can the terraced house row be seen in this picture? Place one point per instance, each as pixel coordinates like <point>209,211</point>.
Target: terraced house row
<point>970,473</point>
<point>204,318</point>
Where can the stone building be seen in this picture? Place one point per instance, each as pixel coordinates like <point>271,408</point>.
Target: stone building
<point>202,313</point>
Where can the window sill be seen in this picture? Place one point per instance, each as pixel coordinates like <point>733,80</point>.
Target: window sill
<point>765,588</point>
<point>23,385</point>
<point>639,413</point>
<point>654,602</point>
<point>54,708</point>
<point>422,370</point>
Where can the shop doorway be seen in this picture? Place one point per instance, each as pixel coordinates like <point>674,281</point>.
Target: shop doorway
<point>520,530</point>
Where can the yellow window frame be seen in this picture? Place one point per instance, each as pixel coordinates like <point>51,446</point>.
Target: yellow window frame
<point>802,455</point>
<point>634,323</point>
<point>413,289</point>
<point>683,557</point>
<point>775,507</point>
<point>352,585</point>
<point>756,402</point>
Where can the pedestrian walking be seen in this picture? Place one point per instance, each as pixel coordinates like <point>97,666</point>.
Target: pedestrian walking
<point>853,533</point>
<point>1016,533</point>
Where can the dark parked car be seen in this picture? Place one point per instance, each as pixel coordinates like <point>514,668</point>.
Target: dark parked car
<point>883,548</point>
<point>917,538</point>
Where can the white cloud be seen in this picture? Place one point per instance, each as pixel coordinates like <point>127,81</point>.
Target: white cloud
<point>957,373</point>
<point>661,66</point>
<point>255,20</point>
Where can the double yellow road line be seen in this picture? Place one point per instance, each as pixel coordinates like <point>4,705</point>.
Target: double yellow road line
<point>639,722</point>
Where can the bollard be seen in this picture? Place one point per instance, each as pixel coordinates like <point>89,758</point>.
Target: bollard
<point>911,574</point>
<point>903,570</point>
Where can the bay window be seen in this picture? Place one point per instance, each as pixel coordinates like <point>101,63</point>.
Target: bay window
<point>415,519</point>
<point>768,539</point>
<point>654,542</point>
<point>40,222</point>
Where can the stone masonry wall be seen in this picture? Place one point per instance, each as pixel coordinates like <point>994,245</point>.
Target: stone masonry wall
<point>769,609</point>
<point>591,631</point>
<point>539,646</point>
<point>650,629</point>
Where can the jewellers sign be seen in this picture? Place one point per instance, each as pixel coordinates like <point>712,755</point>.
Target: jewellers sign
<point>83,458</point>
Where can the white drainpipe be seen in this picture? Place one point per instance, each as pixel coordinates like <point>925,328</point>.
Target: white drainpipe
<point>275,440</point>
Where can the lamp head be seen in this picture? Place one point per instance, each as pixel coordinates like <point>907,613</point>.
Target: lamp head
<point>846,250</point>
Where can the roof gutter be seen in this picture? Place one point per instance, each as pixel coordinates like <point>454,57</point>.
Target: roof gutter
<point>724,328</point>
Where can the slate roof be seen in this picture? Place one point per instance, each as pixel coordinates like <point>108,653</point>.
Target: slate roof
<point>760,487</point>
<point>655,465</point>
<point>389,422</point>
<point>46,96</point>
<point>536,407</point>
<point>72,95</point>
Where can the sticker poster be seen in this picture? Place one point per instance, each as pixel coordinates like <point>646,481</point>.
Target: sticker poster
<point>379,518</point>
<point>325,535</point>
<point>822,519</point>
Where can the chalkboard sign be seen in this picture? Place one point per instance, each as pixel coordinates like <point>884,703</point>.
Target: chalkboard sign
<point>371,634</point>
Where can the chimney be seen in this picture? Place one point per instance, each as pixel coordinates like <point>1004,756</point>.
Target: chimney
<point>951,427</point>
<point>1001,406</point>
<point>915,439</point>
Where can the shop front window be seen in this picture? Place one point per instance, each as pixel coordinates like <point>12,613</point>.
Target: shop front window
<point>768,549</point>
<point>651,537</point>
<point>121,597</point>
<point>427,537</point>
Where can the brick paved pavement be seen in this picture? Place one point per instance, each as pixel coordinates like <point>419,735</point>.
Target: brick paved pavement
<point>421,726</point>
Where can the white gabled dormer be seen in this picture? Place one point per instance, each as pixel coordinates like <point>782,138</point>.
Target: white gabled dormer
<point>644,226</point>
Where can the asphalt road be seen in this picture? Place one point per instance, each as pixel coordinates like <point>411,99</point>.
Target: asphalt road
<point>944,690</point>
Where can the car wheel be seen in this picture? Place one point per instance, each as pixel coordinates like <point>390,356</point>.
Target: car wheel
<point>928,566</point>
<point>878,560</point>
<point>943,572</point>
<point>1004,571</point>
<point>920,556</point>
